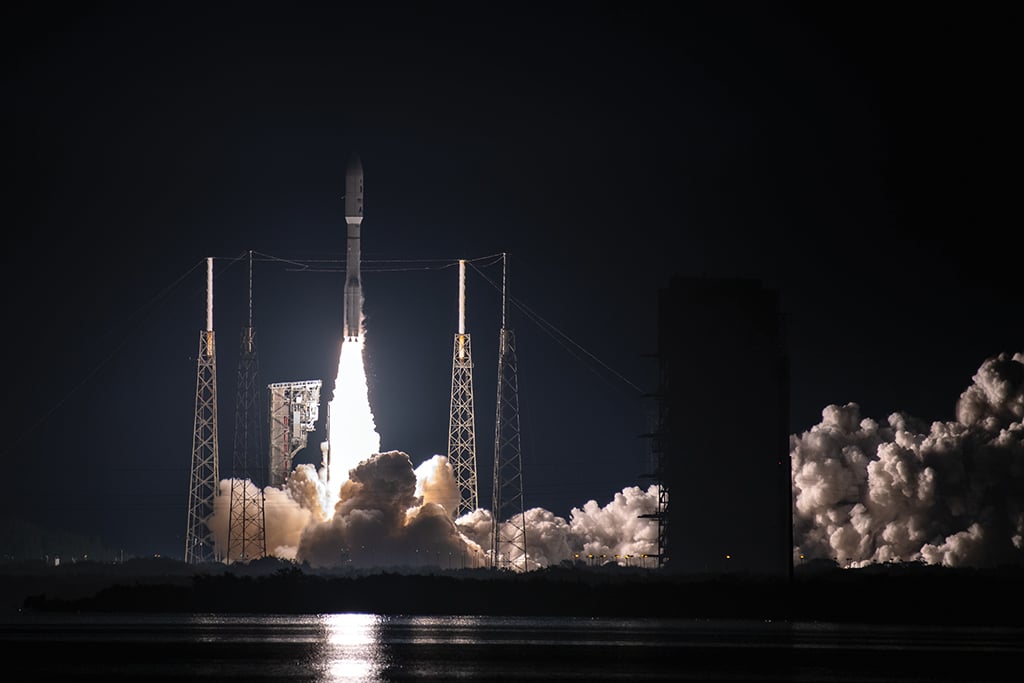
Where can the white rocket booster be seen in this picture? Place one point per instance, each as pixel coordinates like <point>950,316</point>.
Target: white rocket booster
<point>354,219</point>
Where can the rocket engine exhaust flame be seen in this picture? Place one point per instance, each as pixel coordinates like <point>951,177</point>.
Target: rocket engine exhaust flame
<point>352,432</point>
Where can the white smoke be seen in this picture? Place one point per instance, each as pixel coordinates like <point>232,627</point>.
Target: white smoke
<point>948,493</point>
<point>612,534</point>
<point>391,514</point>
<point>435,483</point>
<point>617,530</point>
<point>370,509</point>
<point>380,520</point>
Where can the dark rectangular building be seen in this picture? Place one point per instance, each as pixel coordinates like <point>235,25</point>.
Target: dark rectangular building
<point>722,445</point>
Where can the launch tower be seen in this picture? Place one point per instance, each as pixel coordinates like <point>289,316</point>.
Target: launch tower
<point>462,420</point>
<point>247,538</point>
<point>508,537</point>
<point>205,474</point>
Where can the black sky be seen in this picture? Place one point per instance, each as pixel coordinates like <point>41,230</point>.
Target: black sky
<point>859,159</point>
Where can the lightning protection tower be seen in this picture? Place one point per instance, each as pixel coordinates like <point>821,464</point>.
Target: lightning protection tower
<point>247,538</point>
<point>205,474</point>
<point>462,421</point>
<point>508,537</point>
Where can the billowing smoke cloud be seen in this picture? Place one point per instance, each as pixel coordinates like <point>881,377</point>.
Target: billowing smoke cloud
<point>365,508</point>
<point>289,514</point>
<point>380,521</point>
<point>435,483</point>
<point>949,493</point>
<point>390,514</point>
<point>593,534</point>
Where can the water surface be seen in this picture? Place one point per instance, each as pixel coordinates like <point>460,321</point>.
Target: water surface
<point>367,647</point>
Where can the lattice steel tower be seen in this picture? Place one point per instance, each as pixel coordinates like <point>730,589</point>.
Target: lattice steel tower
<point>508,537</point>
<point>205,476</point>
<point>247,538</point>
<point>462,421</point>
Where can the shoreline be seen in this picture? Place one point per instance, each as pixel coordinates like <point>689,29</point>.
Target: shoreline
<point>898,594</point>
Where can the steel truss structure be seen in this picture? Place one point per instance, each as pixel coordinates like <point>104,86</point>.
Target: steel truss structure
<point>247,536</point>
<point>205,470</point>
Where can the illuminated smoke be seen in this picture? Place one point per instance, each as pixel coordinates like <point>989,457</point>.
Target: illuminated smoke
<point>380,520</point>
<point>435,483</point>
<point>948,493</point>
<point>593,534</point>
<point>371,509</point>
<point>390,514</point>
<point>616,530</point>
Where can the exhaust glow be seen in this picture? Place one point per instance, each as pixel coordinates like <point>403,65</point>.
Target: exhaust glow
<point>352,433</point>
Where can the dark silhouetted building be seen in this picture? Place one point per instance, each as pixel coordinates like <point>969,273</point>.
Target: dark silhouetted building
<point>722,442</point>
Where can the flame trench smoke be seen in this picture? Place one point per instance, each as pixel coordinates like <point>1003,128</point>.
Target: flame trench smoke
<point>951,493</point>
<point>864,492</point>
<point>948,493</point>
<point>371,509</point>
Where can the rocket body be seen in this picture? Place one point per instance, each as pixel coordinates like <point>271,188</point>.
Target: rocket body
<point>354,221</point>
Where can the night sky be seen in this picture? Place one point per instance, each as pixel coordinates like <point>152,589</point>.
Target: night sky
<point>855,160</point>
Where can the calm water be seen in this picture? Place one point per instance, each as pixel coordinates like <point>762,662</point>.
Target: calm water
<point>366,647</point>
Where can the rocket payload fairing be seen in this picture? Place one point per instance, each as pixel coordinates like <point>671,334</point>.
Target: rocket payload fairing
<point>354,219</point>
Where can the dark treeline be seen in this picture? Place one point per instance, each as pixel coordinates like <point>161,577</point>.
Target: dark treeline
<point>880,594</point>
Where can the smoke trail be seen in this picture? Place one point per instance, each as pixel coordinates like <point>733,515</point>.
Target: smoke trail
<point>949,493</point>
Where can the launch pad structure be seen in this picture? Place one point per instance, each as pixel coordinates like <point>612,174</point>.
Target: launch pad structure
<point>294,410</point>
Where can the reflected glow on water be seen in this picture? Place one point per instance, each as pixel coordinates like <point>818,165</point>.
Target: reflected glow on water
<point>352,648</point>
<point>367,648</point>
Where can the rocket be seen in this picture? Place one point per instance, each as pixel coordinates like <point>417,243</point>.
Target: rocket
<point>354,220</point>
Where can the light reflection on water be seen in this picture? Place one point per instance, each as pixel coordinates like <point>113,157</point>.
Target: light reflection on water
<point>338,647</point>
<point>352,648</point>
<point>366,648</point>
